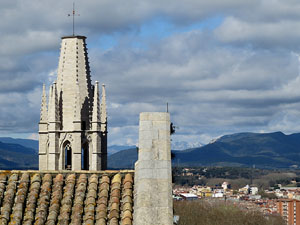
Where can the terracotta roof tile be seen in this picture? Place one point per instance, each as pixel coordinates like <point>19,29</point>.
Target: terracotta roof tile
<point>17,212</point>
<point>128,178</point>
<point>57,192</point>
<point>8,198</point>
<point>3,179</point>
<point>90,202</point>
<point>32,198</point>
<point>126,221</point>
<point>65,197</point>
<point>67,201</point>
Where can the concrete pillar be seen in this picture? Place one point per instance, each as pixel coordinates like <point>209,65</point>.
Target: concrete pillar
<point>43,148</point>
<point>153,204</point>
<point>53,154</point>
<point>76,151</point>
<point>95,160</point>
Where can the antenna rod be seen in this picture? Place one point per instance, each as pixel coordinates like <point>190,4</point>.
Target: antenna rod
<point>73,18</point>
<point>73,15</point>
<point>167,107</point>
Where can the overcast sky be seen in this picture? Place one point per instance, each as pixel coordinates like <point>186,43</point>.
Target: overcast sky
<point>224,66</point>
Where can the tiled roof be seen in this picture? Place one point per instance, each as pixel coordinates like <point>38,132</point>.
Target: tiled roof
<point>38,197</point>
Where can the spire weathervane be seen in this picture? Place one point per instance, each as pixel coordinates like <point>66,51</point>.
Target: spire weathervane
<point>73,15</point>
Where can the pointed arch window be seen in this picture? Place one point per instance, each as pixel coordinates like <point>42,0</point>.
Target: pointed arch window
<point>85,157</point>
<point>68,156</point>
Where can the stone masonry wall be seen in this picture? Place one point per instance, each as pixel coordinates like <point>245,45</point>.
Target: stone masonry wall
<point>153,203</point>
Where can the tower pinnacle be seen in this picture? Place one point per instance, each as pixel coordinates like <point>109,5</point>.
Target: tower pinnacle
<point>44,111</point>
<point>96,108</point>
<point>103,110</point>
<point>53,115</point>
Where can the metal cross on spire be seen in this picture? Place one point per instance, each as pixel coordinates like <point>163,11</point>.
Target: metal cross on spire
<point>73,15</point>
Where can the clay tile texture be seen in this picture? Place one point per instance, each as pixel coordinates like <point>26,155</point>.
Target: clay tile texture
<point>64,197</point>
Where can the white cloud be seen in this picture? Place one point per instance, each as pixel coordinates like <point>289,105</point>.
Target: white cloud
<point>241,76</point>
<point>264,34</point>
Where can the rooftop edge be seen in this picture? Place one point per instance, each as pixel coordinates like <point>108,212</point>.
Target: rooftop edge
<point>76,36</point>
<point>69,171</point>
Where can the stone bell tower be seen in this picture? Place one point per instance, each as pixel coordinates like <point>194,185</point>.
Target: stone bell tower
<point>73,128</point>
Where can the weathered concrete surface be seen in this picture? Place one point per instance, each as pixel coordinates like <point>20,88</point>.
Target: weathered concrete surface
<point>153,175</point>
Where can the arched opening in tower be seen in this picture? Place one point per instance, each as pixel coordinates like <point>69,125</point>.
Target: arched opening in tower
<point>68,156</point>
<point>85,157</point>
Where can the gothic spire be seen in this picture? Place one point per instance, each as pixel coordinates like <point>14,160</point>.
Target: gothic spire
<point>74,67</point>
<point>103,110</point>
<point>44,111</point>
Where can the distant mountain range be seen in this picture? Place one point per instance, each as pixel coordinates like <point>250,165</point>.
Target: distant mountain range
<point>116,148</point>
<point>124,159</point>
<point>29,143</point>
<point>268,150</point>
<point>16,156</point>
